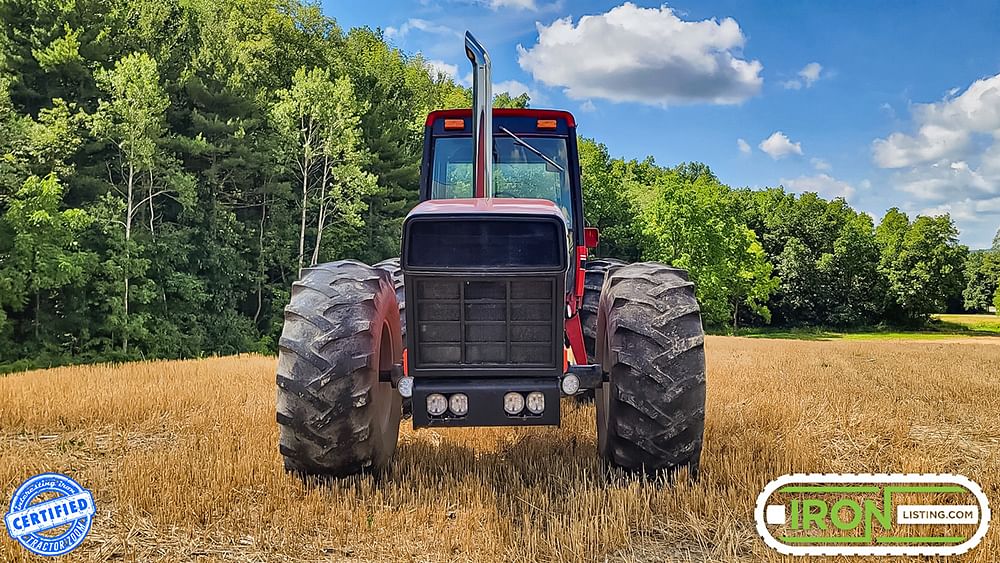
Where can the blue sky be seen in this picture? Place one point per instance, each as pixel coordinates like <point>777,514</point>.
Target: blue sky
<point>885,103</point>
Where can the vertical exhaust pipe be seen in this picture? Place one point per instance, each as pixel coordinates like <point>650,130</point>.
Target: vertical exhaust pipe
<point>482,116</point>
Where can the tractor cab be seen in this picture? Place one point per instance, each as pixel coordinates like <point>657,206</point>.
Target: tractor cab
<point>534,156</point>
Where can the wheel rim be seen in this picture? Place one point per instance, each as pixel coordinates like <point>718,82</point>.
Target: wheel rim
<point>387,404</point>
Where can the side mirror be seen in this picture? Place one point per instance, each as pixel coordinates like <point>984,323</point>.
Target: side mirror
<point>591,236</point>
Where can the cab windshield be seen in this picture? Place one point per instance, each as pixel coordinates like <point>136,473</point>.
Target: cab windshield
<point>517,171</point>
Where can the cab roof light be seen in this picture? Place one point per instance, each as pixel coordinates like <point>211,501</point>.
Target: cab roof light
<point>450,124</point>
<point>546,123</point>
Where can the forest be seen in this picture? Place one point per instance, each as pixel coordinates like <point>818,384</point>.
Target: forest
<point>168,166</point>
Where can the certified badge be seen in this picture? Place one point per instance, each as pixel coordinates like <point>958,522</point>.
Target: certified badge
<point>50,514</point>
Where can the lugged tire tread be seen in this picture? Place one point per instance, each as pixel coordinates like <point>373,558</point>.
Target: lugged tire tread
<point>656,412</point>
<point>324,404</point>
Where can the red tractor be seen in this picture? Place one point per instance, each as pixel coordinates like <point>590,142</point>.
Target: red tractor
<point>493,312</point>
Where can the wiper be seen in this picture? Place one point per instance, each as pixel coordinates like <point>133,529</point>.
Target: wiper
<point>537,152</point>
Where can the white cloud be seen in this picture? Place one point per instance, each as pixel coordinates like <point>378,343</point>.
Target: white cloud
<point>588,106</point>
<point>810,73</point>
<point>441,67</point>
<point>418,24</point>
<point>820,164</point>
<point>516,4</point>
<point>646,55</point>
<point>950,162</point>
<point>743,146</point>
<point>512,87</point>
<point>807,76</point>
<point>823,184</point>
<point>932,142</point>
<point>945,128</point>
<point>778,146</point>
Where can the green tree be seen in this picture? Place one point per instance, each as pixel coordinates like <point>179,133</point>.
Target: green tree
<point>132,119</point>
<point>607,204</point>
<point>696,224</point>
<point>42,253</point>
<point>922,262</point>
<point>318,120</point>
<point>982,275</point>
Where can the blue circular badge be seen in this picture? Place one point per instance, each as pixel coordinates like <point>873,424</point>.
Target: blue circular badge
<point>50,514</point>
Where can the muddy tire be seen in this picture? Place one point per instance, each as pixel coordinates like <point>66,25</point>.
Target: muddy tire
<point>391,265</point>
<point>341,327</point>
<point>651,412</point>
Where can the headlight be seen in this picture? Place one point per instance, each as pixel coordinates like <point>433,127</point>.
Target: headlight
<point>513,402</point>
<point>458,404</point>
<point>436,404</point>
<point>570,384</point>
<point>405,387</point>
<point>536,402</point>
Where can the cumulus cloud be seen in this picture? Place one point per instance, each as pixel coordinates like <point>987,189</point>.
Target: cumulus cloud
<point>418,24</point>
<point>512,87</point>
<point>823,184</point>
<point>949,161</point>
<point>441,67</point>
<point>646,55</point>
<point>743,146</point>
<point>449,70</point>
<point>944,129</point>
<point>778,145</point>
<point>516,4</point>
<point>807,76</point>
<point>820,164</point>
<point>931,142</point>
<point>588,106</point>
<point>810,73</point>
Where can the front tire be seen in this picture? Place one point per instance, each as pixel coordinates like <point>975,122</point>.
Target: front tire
<point>341,328</point>
<point>651,412</point>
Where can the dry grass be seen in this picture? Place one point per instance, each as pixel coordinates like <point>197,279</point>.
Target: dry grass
<point>182,460</point>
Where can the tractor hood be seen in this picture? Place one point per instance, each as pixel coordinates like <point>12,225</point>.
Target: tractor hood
<point>505,206</point>
<point>485,233</point>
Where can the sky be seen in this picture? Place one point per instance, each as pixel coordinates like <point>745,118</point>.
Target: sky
<point>887,104</point>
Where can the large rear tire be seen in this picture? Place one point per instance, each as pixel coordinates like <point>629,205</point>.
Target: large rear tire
<point>341,328</point>
<point>651,412</point>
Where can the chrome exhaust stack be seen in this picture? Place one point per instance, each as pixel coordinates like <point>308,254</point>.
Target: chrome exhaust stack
<point>482,116</point>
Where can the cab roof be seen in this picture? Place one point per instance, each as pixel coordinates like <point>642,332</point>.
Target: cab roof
<point>504,112</point>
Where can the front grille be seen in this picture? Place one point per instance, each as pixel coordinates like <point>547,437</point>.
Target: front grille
<point>485,322</point>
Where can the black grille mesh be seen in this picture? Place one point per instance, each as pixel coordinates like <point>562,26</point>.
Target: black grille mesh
<point>485,322</point>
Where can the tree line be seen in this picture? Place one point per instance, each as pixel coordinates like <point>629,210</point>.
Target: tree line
<point>772,257</point>
<point>166,169</point>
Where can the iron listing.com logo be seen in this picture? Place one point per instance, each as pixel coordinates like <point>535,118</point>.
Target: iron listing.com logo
<point>884,514</point>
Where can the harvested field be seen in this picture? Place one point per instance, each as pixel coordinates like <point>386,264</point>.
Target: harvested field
<point>183,463</point>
